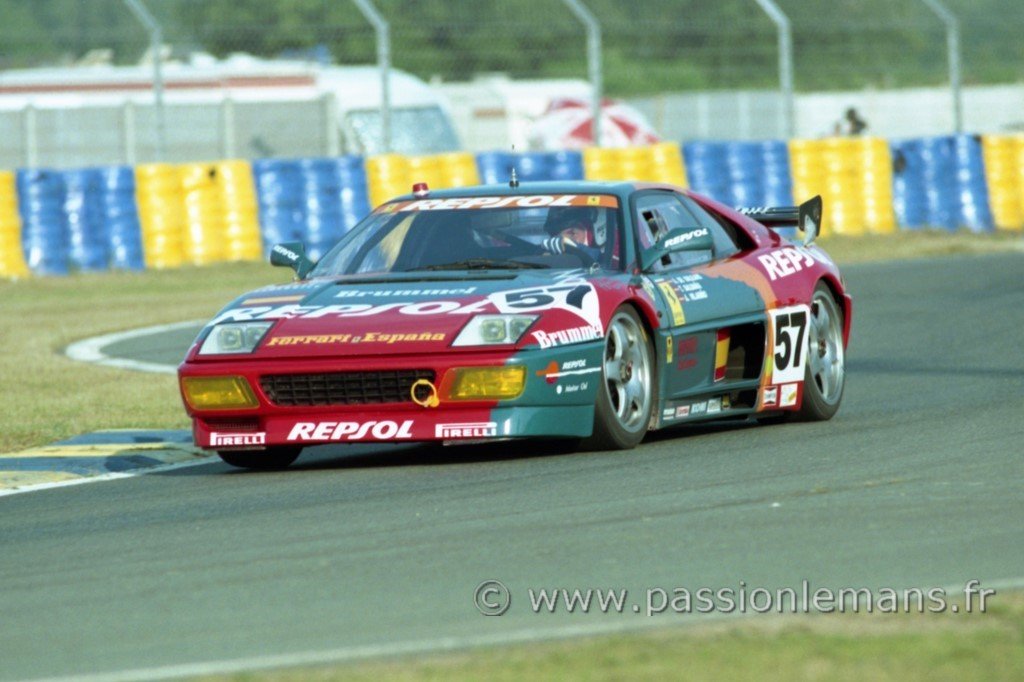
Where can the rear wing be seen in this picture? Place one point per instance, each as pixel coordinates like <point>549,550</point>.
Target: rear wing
<point>806,217</point>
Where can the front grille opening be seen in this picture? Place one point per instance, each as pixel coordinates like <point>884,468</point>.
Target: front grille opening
<point>343,388</point>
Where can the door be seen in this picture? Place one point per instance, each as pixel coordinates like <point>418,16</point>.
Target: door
<point>712,338</point>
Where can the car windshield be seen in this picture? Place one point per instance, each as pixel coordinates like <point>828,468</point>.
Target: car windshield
<point>482,233</point>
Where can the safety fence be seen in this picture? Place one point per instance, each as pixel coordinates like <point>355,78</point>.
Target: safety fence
<point>164,216</point>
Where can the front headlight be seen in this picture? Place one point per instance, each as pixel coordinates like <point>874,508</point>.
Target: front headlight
<point>486,383</point>
<point>234,338</point>
<point>493,330</point>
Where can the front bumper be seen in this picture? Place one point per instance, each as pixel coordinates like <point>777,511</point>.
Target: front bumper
<point>557,401</point>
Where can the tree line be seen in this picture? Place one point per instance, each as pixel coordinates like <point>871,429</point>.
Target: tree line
<point>649,46</point>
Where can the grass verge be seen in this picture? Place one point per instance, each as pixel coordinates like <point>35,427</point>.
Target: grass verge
<point>854,647</point>
<point>918,244</point>
<point>48,397</point>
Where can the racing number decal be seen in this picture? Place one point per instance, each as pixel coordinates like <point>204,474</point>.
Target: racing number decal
<point>528,299</point>
<point>578,297</point>
<point>787,326</point>
<point>789,329</point>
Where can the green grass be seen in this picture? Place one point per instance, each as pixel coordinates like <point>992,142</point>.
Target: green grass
<point>48,397</point>
<point>920,244</point>
<point>852,647</point>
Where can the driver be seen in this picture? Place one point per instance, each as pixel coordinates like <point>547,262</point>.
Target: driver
<point>572,229</point>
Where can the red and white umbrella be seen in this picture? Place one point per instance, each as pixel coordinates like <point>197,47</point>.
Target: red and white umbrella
<point>569,124</point>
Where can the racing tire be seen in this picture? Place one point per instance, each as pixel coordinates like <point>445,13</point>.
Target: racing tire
<point>628,390</point>
<point>270,459</point>
<point>825,374</point>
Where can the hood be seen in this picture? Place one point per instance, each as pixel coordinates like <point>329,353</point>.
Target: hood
<point>372,316</point>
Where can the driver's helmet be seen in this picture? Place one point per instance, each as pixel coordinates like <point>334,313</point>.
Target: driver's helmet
<point>574,224</point>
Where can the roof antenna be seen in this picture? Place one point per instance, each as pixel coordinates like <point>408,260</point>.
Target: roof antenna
<point>513,181</point>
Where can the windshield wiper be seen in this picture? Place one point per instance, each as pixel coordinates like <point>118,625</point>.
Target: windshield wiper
<point>482,264</point>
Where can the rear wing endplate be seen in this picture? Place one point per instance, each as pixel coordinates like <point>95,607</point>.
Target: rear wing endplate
<point>806,217</point>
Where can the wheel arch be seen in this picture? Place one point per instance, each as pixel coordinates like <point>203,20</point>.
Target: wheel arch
<point>842,299</point>
<point>649,320</point>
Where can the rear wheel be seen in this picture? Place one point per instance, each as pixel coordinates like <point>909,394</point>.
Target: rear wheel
<point>264,460</point>
<point>825,376</point>
<point>628,390</point>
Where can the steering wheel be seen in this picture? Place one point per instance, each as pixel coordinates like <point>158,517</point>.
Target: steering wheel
<point>573,250</point>
<point>534,249</point>
<point>570,248</point>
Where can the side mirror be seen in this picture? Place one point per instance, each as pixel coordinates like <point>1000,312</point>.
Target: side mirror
<point>681,239</point>
<point>809,219</point>
<point>292,255</point>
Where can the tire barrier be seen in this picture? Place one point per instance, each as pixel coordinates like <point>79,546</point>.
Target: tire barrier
<point>706,169</point>
<point>238,211</point>
<point>853,176</point>
<point>12,258</point>
<point>494,168</point>
<point>334,199</point>
<point>908,184</point>
<point>89,243</point>
<point>220,211</point>
<point>44,235</point>
<point>776,174</point>
<point>971,184</point>
<point>279,195</point>
<point>662,162</point>
<point>121,215</point>
<point>940,182</point>
<point>391,175</point>
<point>1004,172</point>
<point>164,216</point>
<point>161,214</point>
<point>740,173</point>
<point>203,241</point>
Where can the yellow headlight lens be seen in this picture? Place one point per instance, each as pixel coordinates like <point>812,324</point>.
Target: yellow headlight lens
<point>488,383</point>
<point>218,393</point>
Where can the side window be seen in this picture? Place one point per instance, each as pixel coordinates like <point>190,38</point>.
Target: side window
<point>725,242</point>
<point>658,214</point>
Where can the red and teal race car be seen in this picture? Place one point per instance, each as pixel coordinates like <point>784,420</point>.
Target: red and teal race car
<point>579,310</point>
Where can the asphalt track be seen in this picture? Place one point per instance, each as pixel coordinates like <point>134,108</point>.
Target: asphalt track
<point>365,550</point>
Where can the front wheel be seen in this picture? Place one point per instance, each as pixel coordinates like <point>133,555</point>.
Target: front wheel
<point>825,377</point>
<point>628,389</point>
<point>263,460</point>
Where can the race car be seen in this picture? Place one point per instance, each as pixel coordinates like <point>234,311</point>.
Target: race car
<point>587,311</point>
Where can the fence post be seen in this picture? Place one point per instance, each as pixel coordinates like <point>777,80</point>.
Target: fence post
<point>593,62</point>
<point>383,31</point>
<point>953,58</point>
<point>785,63</point>
<point>156,46</point>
